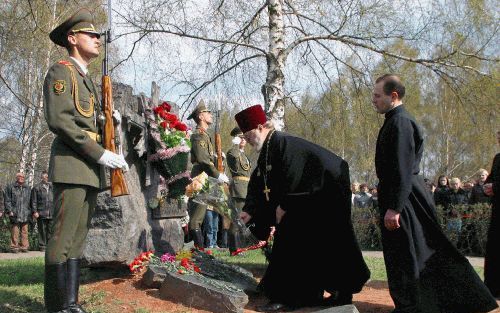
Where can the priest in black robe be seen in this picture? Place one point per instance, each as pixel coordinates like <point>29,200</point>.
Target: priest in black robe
<point>492,258</point>
<point>304,191</point>
<point>426,273</point>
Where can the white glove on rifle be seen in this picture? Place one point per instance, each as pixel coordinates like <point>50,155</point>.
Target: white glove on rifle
<point>223,178</point>
<point>113,160</point>
<point>117,117</point>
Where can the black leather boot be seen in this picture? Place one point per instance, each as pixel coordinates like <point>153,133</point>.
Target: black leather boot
<point>54,290</point>
<point>234,242</point>
<point>73,285</point>
<point>197,238</point>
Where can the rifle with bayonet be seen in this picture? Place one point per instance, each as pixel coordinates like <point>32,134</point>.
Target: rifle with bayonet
<point>111,133</point>
<point>218,143</point>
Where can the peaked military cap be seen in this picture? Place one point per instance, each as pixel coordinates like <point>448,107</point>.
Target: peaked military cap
<point>236,132</point>
<point>200,108</point>
<point>80,22</point>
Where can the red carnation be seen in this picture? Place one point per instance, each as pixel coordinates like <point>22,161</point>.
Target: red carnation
<point>158,110</point>
<point>164,125</point>
<point>180,126</point>
<point>167,107</point>
<point>170,117</point>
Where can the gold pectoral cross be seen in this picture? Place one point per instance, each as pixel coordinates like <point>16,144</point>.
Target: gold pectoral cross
<point>266,191</point>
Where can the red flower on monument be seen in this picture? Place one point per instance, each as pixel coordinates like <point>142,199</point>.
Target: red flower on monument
<point>167,107</point>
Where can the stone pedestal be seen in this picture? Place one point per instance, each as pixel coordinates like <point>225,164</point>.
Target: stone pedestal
<point>123,227</point>
<point>192,292</point>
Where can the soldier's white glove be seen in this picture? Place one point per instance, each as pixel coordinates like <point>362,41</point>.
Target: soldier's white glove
<point>113,160</point>
<point>117,117</point>
<point>223,178</point>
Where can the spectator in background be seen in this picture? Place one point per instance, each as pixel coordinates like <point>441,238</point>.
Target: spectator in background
<point>17,208</point>
<point>441,192</point>
<point>43,208</point>
<point>364,198</point>
<point>430,185</point>
<point>354,191</point>
<point>374,194</point>
<point>456,197</point>
<point>477,194</point>
<point>467,187</point>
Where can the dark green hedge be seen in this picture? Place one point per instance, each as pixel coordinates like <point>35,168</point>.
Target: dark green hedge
<point>470,240</point>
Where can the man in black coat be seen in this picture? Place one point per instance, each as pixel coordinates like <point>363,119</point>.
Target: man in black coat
<point>17,208</point>
<point>303,190</point>
<point>42,207</point>
<point>426,273</point>
<point>492,257</point>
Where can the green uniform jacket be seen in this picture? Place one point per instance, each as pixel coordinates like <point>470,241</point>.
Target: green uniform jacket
<point>202,154</point>
<point>74,153</point>
<point>240,168</point>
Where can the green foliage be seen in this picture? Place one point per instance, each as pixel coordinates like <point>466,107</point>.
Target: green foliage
<point>174,138</point>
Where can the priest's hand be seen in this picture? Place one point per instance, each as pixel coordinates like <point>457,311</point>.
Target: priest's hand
<point>279,214</point>
<point>245,217</point>
<point>391,220</point>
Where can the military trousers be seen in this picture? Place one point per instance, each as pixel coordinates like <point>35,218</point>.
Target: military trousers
<point>73,208</point>
<point>197,214</point>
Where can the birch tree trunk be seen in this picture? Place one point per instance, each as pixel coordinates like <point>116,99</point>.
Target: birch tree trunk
<point>273,89</point>
<point>38,116</point>
<point>27,128</point>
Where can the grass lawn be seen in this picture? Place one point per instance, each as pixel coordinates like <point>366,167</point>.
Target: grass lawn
<point>21,281</point>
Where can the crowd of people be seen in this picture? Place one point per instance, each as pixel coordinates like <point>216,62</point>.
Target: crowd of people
<point>456,202</point>
<point>25,206</point>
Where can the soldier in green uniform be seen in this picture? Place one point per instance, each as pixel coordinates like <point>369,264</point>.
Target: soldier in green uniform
<point>240,168</point>
<point>202,159</point>
<point>71,105</point>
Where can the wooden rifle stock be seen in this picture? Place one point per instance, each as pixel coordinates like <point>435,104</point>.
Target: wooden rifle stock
<point>218,150</point>
<point>118,183</point>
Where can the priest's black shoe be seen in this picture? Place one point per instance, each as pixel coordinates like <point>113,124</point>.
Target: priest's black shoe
<point>274,307</point>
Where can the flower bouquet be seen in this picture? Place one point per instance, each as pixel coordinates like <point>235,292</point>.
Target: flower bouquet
<point>181,262</point>
<point>172,147</point>
<point>186,262</point>
<point>210,191</point>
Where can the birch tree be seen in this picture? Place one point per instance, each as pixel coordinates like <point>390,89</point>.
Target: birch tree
<point>281,48</point>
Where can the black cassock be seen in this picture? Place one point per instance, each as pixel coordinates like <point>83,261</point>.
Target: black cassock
<point>426,273</point>
<point>314,247</point>
<point>492,258</point>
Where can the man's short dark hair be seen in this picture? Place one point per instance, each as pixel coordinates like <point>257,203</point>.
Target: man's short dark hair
<point>392,83</point>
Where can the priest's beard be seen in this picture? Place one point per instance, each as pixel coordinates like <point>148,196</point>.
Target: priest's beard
<point>257,144</point>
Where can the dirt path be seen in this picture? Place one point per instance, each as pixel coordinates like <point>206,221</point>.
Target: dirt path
<point>21,255</point>
<point>127,296</point>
